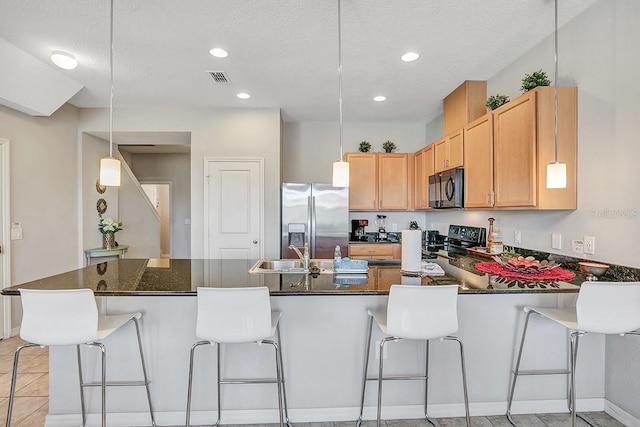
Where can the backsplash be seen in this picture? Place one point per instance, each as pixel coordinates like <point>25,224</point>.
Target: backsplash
<point>615,273</point>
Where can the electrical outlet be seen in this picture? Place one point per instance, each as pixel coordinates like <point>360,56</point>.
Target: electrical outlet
<point>384,355</point>
<point>394,227</point>
<point>589,245</point>
<point>517,236</point>
<point>577,246</point>
<point>556,241</point>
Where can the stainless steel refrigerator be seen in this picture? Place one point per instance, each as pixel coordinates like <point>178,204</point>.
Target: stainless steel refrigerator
<point>317,214</point>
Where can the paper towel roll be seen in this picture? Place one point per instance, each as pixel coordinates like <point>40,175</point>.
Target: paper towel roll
<point>411,250</point>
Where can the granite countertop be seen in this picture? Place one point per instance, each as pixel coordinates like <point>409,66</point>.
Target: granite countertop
<point>175,277</point>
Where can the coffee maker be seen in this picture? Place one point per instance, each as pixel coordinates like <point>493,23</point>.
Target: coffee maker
<point>357,230</point>
<point>434,242</point>
<point>382,231</point>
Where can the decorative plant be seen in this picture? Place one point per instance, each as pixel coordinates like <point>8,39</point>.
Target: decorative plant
<point>497,100</point>
<point>537,78</point>
<point>365,146</point>
<point>109,226</point>
<point>388,146</point>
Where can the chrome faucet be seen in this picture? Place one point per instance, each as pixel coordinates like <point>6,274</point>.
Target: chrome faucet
<point>304,258</point>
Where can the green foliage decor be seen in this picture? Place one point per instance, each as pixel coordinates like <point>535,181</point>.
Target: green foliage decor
<point>497,100</point>
<point>388,146</point>
<point>537,78</point>
<point>364,147</point>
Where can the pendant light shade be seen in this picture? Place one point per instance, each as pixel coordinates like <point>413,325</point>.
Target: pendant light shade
<point>110,172</point>
<point>556,171</point>
<point>340,167</point>
<point>340,174</point>
<point>556,175</point>
<point>110,167</point>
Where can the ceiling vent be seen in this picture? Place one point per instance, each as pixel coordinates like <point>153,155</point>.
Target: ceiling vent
<point>220,77</point>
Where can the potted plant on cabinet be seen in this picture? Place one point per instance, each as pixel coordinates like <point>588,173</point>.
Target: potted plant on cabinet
<point>388,146</point>
<point>537,78</point>
<point>364,147</point>
<point>497,100</point>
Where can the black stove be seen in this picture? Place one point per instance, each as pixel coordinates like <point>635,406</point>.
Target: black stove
<point>461,237</point>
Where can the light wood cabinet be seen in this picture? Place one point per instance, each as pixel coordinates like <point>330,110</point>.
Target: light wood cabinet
<point>424,167</point>
<point>393,181</point>
<point>465,104</point>
<point>478,160</point>
<point>520,146</point>
<point>449,151</point>
<point>375,251</point>
<point>524,144</point>
<point>363,181</point>
<point>388,276</point>
<point>380,181</point>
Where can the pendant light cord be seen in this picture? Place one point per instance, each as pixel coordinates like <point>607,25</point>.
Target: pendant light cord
<point>555,83</point>
<point>111,84</point>
<point>339,77</point>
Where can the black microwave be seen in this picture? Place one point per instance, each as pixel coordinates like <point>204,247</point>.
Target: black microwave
<point>446,189</point>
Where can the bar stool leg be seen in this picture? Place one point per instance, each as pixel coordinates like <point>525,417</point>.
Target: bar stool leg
<point>278,378</point>
<point>380,377</point>
<point>219,388</point>
<point>12,392</point>
<point>103,380</point>
<point>366,365</point>
<point>464,379</point>
<point>189,387</point>
<point>426,384</point>
<point>516,372</point>
<point>574,339</point>
<point>284,390</point>
<point>144,372</point>
<point>82,406</point>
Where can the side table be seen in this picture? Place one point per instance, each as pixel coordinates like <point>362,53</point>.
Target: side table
<point>102,252</point>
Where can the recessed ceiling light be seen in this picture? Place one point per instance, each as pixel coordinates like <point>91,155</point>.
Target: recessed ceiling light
<point>379,98</point>
<point>409,56</point>
<point>64,60</point>
<point>243,95</point>
<point>218,53</point>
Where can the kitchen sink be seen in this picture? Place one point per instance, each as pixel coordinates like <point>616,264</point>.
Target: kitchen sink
<point>291,266</point>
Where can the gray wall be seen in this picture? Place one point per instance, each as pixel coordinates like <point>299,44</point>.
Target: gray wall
<point>175,169</point>
<point>44,188</point>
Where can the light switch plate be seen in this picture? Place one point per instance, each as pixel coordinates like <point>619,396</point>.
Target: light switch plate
<point>517,236</point>
<point>556,241</point>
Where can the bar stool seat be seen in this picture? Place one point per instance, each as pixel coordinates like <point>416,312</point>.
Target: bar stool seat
<point>414,313</point>
<point>601,308</point>
<point>234,316</point>
<point>70,317</point>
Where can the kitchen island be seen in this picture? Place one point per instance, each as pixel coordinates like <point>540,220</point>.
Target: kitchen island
<point>323,331</point>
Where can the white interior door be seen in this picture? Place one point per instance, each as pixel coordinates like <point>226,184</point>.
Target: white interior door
<point>234,208</point>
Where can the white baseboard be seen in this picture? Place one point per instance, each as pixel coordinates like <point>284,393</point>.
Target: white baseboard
<point>336,414</point>
<point>621,415</point>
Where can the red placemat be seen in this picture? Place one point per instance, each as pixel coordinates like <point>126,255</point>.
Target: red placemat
<point>499,270</point>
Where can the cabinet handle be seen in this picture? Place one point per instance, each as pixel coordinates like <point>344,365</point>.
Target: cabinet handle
<point>488,199</point>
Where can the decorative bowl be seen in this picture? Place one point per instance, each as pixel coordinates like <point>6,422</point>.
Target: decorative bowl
<point>525,265</point>
<point>593,270</point>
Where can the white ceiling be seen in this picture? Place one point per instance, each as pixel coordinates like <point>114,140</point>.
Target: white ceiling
<point>283,52</point>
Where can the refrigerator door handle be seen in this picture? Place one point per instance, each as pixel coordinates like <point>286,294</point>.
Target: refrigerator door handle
<point>312,230</point>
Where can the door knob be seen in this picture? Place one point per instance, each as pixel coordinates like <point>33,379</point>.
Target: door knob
<point>255,242</point>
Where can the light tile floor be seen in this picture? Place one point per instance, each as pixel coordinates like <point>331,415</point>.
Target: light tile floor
<point>32,399</point>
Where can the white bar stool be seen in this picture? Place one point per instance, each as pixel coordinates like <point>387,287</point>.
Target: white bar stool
<point>601,308</point>
<point>233,316</point>
<point>70,317</point>
<point>415,313</point>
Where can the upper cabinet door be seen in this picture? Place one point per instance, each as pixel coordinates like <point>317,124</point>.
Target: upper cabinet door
<point>440,155</point>
<point>455,141</point>
<point>393,181</point>
<point>478,159</point>
<point>363,181</point>
<point>514,145</point>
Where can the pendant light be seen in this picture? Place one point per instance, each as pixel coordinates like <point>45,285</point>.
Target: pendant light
<point>340,167</point>
<point>110,167</point>
<point>556,171</point>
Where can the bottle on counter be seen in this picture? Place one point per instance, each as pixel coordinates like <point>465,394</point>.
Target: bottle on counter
<point>494,241</point>
<point>337,255</point>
